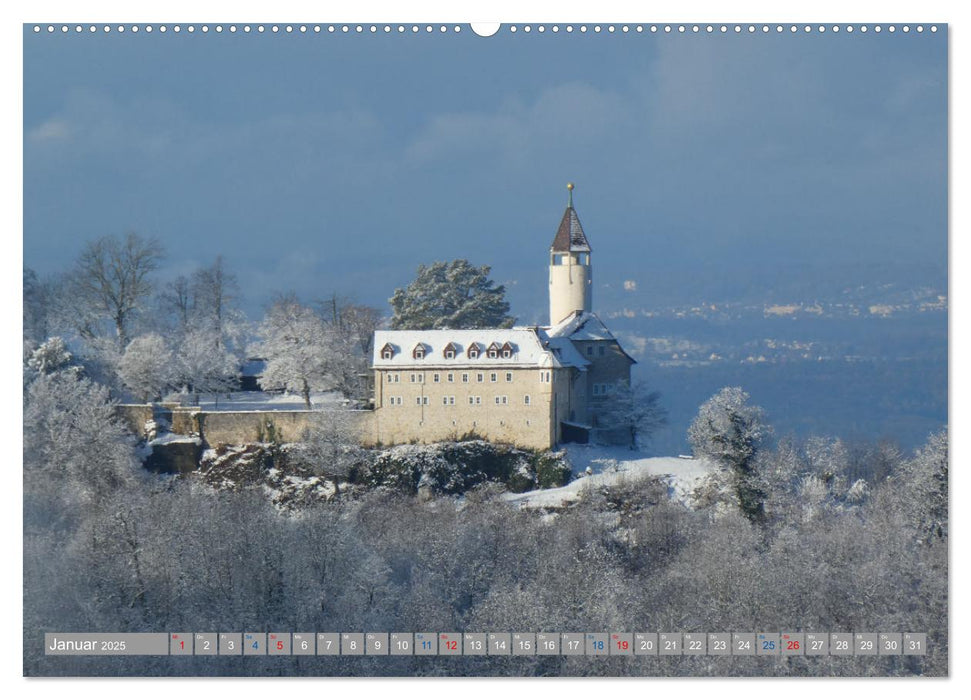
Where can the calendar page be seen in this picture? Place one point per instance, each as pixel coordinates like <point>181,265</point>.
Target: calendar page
<point>519,349</point>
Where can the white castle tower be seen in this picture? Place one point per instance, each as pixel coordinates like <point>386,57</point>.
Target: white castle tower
<point>571,274</point>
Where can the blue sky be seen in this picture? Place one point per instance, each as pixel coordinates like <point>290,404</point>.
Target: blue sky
<point>706,165</point>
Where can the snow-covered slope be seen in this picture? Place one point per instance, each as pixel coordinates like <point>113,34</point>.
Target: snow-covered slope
<point>604,466</point>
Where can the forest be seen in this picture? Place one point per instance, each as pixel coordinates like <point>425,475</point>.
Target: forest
<point>785,534</point>
<point>816,536</point>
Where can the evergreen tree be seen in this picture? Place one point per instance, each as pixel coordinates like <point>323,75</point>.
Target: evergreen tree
<point>451,295</point>
<point>729,431</point>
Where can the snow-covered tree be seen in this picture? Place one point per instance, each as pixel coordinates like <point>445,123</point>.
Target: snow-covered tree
<point>332,444</point>
<point>203,302</point>
<point>74,446</point>
<point>451,295</point>
<point>350,333</point>
<point>729,431</point>
<point>204,364</point>
<point>51,356</point>
<point>296,346</point>
<point>924,488</point>
<point>146,367</point>
<point>633,412</point>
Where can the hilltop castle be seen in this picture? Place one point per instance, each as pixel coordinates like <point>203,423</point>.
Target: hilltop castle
<point>532,386</point>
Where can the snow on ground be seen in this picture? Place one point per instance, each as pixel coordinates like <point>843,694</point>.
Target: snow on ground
<point>169,438</point>
<point>611,465</point>
<point>262,401</point>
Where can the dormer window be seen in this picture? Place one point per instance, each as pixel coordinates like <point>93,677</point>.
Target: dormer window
<point>450,351</point>
<point>493,351</point>
<point>419,352</point>
<point>387,352</point>
<point>474,351</point>
<point>507,350</point>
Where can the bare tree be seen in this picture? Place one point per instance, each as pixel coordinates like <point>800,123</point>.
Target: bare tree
<point>177,298</point>
<point>361,322</point>
<point>111,280</point>
<point>214,290</point>
<point>631,413</point>
<point>37,303</point>
<point>350,336</point>
<point>332,444</point>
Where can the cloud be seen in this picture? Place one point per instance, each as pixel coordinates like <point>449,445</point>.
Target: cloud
<point>630,286</point>
<point>52,130</point>
<point>568,115</point>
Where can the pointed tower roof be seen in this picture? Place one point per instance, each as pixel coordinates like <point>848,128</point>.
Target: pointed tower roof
<point>570,236</point>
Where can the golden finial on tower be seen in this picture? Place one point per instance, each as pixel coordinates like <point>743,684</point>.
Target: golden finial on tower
<point>570,186</point>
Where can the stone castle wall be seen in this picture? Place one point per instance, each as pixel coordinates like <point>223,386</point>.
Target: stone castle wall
<point>229,427</point>
<point>435,405</point>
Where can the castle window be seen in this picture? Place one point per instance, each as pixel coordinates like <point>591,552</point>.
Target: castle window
<point>544,376</point>
<point>419,352</point>
<point>590,350</point>
<point>526,400</point>
<point>436,377</point>
<point>418,378</point>
<point>465,377</point>
<point>502,400</point>
<point>479,377</point>
<point>475,400</point>
<point>387,352</point>
<point>449,351</point>
<point>450,377</point>
<point>448,400</point>
<point>493,377</point>
<point>508,376</point>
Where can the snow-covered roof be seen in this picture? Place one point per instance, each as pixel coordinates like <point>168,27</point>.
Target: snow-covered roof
<point>566,352</point>
<point>583,325</point>
<point>526,347</point>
